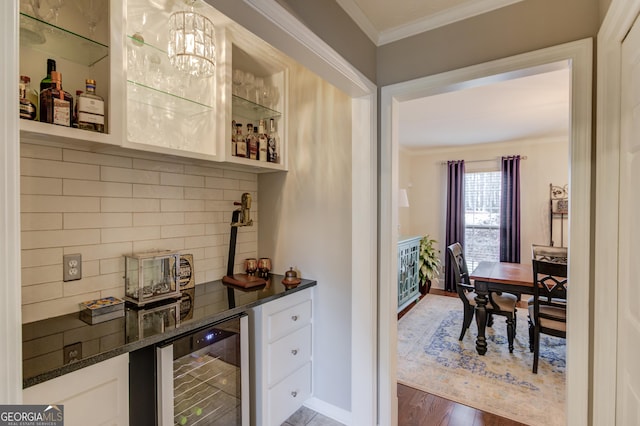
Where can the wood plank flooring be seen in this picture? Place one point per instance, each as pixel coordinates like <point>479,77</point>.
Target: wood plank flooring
<point>418,408</point>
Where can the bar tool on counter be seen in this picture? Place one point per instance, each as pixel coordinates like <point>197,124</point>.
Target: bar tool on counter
<point>239,217</point>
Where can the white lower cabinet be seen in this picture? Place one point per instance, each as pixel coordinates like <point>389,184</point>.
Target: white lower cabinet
<point>282,357</point>
<point>97,395</point>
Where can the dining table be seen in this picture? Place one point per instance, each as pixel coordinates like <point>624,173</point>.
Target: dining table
<point>514,278</point>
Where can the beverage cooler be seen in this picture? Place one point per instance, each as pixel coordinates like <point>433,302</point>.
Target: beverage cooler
<point>203,377</point>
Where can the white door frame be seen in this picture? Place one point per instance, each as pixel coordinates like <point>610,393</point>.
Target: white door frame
<point>10,288</point>
<point>579,56</point>
<point>619,19</point>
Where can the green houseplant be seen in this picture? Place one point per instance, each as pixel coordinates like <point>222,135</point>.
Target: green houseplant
<point>428,263</point>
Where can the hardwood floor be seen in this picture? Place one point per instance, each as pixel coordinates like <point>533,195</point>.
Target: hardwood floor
<point>418,408</point>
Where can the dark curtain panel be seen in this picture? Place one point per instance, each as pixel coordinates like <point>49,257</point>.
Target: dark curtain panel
<point>455,216</point>
<point>510,210</point>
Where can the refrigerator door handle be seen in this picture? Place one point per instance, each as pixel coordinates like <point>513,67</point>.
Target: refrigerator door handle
<point>164,356</point>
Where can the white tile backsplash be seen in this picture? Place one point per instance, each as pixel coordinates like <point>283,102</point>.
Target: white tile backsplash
<point>104,206</point>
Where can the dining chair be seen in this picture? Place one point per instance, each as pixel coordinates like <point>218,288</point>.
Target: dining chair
<point>499,303</point>
<point>549,314</point>
<point>549,254</point>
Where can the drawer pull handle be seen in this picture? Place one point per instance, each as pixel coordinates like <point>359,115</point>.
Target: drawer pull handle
<point>294,394</point>
<point>294,317</point>
<point>294,351</point>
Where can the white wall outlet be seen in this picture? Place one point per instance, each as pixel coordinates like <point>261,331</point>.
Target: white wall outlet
<point>72,267</point>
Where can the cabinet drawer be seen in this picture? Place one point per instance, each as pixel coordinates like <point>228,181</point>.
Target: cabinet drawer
<point>288,354</point>
<point>290,319</point>
<point>287,396</point>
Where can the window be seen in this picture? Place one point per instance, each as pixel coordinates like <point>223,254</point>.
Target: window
<point>482,217</point>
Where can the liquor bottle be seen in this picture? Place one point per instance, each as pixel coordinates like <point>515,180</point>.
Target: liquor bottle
<point>56,105</point>
<point>253,144</point>
<point>263,141</point>
<point>273,143</point>
<point>241,143</point>
<point>74,119</point>
<point>250,140</point>
<point>46,82</point>
<point>28,109</point>
<point>90,109</point>
<point>233,137</point>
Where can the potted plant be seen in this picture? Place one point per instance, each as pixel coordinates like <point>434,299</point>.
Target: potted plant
<point>429,263</point>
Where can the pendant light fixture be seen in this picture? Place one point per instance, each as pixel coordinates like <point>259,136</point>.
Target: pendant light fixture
<point>191,46</point>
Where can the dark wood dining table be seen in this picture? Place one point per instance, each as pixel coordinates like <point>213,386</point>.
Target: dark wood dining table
<point>514,278</point>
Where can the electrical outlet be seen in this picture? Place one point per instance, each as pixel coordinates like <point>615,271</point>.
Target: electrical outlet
<point>72,352</point>
<point>72,267</point>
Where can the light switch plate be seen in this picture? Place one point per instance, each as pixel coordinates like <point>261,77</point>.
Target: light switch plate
<point>71,267</point>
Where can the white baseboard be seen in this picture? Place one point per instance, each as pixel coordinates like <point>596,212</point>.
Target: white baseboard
<point>329,410</point>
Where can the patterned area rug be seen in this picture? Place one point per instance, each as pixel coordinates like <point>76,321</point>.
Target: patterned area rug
<point>432,359</point>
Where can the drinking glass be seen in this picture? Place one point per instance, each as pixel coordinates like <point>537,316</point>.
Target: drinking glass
<point>237,80</point>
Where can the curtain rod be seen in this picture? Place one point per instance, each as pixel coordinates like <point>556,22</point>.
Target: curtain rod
<point>444,163</point>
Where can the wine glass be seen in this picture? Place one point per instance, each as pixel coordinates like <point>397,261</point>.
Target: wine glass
<point>237,79</point>
<point>54,7</point>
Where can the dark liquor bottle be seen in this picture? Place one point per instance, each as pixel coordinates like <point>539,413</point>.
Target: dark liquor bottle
<point>56,105</point>
<point>241,143</point>
<point>233,137</point>
<point>253,144</point>
<point>248,140</point>
<point>27,106</point>
<point>46,82</point>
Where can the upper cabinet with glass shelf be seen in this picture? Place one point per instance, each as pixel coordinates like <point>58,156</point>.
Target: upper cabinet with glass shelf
<point>153,102</point>
<point>76,34</point>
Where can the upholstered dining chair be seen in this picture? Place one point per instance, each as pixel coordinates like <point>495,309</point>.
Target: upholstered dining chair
<point>499,303</point>
<point>549,314</point>
<point>547,254</point>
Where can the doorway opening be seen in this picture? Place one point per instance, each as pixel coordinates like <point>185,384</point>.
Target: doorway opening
<point>577,56</point>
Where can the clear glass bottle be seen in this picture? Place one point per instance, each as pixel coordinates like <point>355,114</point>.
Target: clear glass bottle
<point>56,105</point>
<point>273,143</point>
<point>90,109</point>
<point>28,99</point>
<point>263,141</point>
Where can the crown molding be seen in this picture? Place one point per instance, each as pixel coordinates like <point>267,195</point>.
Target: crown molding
<point>440,19</point>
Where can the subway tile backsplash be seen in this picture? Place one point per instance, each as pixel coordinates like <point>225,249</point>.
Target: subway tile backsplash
<point>106,205</point>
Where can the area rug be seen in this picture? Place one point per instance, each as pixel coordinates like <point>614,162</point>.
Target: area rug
<point>432,359</point>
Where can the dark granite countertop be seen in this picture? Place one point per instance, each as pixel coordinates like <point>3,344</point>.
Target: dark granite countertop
<point>44,342</point>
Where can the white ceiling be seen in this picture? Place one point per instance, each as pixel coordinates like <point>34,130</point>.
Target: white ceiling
<point>536,106</point>
<point>530,107</point>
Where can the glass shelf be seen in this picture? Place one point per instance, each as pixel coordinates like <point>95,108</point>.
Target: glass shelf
<point>252,110</point>
<point>140,93</point>
<point>56,41</point>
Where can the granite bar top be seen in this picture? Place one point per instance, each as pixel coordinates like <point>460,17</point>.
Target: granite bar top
<point>44,342</point>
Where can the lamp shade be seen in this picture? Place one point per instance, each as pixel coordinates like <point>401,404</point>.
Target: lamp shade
<point>403,199</point>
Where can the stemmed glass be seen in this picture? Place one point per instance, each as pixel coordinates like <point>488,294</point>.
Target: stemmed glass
<point>55,6</point>
<point>92,11</point>
<point>237,80</point>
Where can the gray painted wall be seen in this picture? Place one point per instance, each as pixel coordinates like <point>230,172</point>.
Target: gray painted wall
<point>332,24</point>
<point>519,28</point>
<point>515,29</point>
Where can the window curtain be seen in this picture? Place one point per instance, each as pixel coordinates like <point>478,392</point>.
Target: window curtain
<point>510,210</point>
<point>455,216</point>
